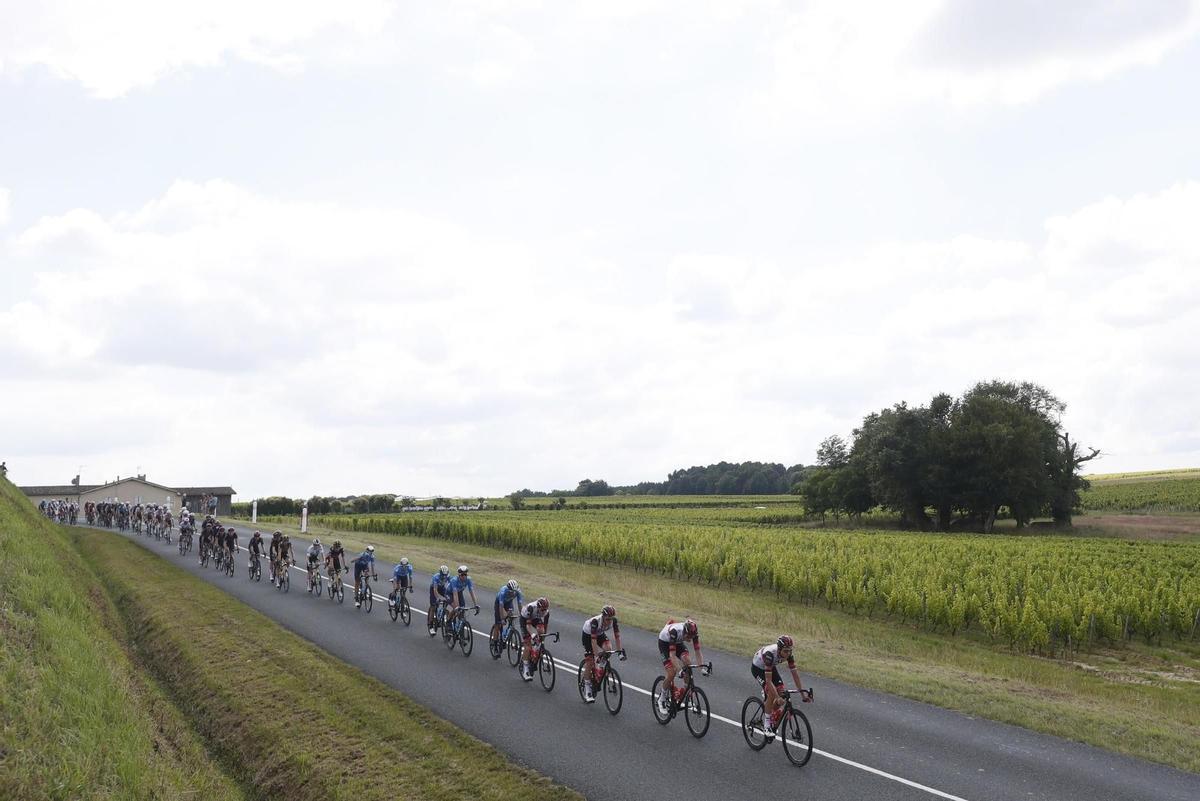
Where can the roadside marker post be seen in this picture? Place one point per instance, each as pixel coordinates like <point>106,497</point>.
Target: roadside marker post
<point>304,519</point>
<point>254,511</point>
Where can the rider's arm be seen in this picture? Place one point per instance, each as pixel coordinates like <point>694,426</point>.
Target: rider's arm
<point>696,645</point>
<point>617,633</point>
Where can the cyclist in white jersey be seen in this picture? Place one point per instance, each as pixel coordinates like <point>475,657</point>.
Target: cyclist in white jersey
<point>765,668</point>
<point>595,631</point>
<point>535,614</point>
<point>672,642</point>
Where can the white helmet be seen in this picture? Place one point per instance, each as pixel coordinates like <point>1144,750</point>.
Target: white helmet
<point>464,569</point>
<point>404,561</point>
<point>316,540</point>
<point>513,585</point>
<point>443,570</point>
<point>370,549</point>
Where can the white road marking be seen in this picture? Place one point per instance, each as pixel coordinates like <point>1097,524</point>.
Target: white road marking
<point>731,722</point>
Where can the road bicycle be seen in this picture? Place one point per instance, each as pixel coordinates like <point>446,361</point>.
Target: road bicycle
<point>439,617</point>
<point>336,590</point>
<point>792,725</point>
<point>255,573</point>
<point>362,593</point>
<point>689,698</point>
<point>458,632</point>
<point>203,553</point>
<point>316,584</point>
<point>230,564</point>
<point>185,542</point>
<point>398,606</point>
<point>539,655</point>
<point>167,535</point>
<point>283,577</point>
<point>605,681</point>
<point>507,640</point>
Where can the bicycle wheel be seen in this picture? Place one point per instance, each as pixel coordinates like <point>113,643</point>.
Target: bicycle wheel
<point>285,583</point>
<point>797,738</point>
<point>579,679</point>
<point>752,724</point>
<point>405,609</point>
<point>614,692</point>
<point>368,599</point>
<point>393,609</point>
<point>495,646</point>
<point>449,635</point>
<point>546,670</point>
<point>319,585</point>
<point>656,692</point>
<point>513,645</point>
<point>341,592</point>
<point>466,638</point>
<point>696,713</point>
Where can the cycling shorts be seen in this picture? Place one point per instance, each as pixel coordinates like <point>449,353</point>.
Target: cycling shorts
<point>761,675</point>
<point>403,582</point>
<point>459,597</point>
<point>587,641</point>
<point>664,648</point>
<point>508,607</point>
<point>359,570</point>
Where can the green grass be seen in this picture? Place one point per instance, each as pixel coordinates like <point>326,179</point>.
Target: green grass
<point>1181,494</point>
<point>1145,475</point>
<point>78,719</point>
<point>1137,699</point>
<point>264,700</point>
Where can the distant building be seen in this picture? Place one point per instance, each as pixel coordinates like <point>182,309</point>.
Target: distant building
<point>137,489</point>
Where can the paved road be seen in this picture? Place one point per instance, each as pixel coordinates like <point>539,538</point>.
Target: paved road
<point>869,745</point>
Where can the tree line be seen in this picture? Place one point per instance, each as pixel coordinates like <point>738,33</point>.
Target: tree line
<point>722,478</point>
<point>955,462</point>
<point>346,504</point>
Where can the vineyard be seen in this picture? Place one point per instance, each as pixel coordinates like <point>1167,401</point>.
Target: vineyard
<point>1164,495</point>
<point>1038,594</point>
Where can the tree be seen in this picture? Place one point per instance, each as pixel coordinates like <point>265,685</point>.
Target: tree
<point>1065,479</point>
<point>517,500</point>
<point>590,488</point>
<point>833,452</point>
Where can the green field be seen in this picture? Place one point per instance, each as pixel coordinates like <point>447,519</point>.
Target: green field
<point>1145,475</point>
<point>1178,494</point>
<point>1052,595</point>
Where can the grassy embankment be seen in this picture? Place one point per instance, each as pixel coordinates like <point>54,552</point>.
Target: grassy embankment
<point>92,634</point>
<point>78,717</point>
<point>1137,699</point>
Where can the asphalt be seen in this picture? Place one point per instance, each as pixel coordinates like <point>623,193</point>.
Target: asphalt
<point>868,745</point>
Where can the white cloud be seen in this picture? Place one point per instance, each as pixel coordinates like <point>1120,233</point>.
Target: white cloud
<point>114,47</point>
<point>329,348</point>
<point>5,206</point>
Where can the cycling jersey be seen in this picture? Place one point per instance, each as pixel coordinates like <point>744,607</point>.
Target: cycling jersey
<point>338,555</point>
<point>459,584</point>
<point>672,633</point>
<point>531,614</point>
<point>255,545</point>
<point>768,657</point>
<point>505,596</point>
<point>315,552</point>
<point>596,627</point>
<point>275,543</point>
<point>402,572</point>
<point>365,558</point>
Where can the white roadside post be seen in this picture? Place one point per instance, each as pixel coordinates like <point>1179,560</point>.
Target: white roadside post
<point>254,511</point>
<point>304,519</point>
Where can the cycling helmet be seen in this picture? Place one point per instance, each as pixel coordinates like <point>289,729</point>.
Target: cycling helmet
<point>404,561</point>
<point>785,642</point>
<point>463,569</point>
<point>443,570</point>
<point>608,611</point>
<point>316,540</point>
<point>337,543</point>
<point>370,549</point>
<point>690,628</point>
<point>513,585</point>
<point>543,604</point>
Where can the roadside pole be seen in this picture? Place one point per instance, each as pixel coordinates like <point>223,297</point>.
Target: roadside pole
<point>254,511</point>
<point>304,519</point>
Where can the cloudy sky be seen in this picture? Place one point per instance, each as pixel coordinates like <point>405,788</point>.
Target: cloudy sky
<point>465,247</point>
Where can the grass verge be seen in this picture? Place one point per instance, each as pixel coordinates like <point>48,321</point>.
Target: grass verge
<point>264,701</point>
<point>77,717</point>
<point>1139,700</point>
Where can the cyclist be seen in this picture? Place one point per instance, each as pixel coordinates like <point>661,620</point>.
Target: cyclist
<point>285,557</point>
<point>439,591</point>
<point>671,642</point>
<point>336,559</point>
<point>315,553</point>
<point>255,547</point>
<point>273,552</point>
<point>766,659</point>
<point>365,562</point>
<point>401,579</point>
<point>509,593</point>
<point>536,614</point>
<point>459,584</point>
<point>595,632</point>
<point>230,542</point>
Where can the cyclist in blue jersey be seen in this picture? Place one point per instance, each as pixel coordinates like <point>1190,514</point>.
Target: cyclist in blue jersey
<point>401,579</point>
<point>458,585</point>
<point>509,593</point>
<point>365,562</point>
<point>439,590</point>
